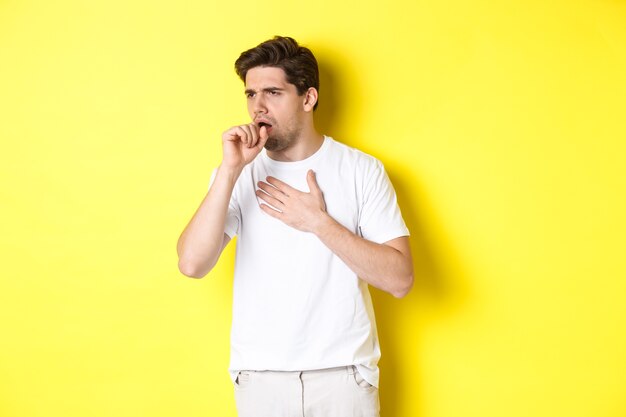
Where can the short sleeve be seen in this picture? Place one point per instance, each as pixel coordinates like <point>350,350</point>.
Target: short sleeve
<point>233,216</point>
<point>380,219</point>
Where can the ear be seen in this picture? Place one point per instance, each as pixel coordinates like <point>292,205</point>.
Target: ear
<point>310,98</point>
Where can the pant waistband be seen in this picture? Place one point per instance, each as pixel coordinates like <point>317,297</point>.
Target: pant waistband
<point>350,369</point>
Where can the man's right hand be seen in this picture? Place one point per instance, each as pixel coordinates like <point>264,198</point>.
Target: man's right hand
<point>201,243</point>
<point>241,144</point>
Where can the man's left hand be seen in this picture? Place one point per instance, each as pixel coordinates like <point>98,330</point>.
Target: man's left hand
<point>303,211</point>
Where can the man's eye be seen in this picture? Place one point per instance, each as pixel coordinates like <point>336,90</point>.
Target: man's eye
<point>273,93</point>
<point>250,95</point>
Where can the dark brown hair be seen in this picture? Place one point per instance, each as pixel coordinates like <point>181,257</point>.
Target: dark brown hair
<point>283,52</point>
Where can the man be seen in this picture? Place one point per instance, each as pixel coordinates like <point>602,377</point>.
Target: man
<point>317,221</point>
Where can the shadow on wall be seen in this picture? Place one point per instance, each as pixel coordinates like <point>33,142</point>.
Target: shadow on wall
<point>399,343</point>
<point>328,112</point>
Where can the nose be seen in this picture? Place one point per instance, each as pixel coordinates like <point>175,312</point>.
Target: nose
<point>258,105</point>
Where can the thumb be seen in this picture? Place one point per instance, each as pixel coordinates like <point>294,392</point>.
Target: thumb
<point>311,180</point>
<point>263,136</point>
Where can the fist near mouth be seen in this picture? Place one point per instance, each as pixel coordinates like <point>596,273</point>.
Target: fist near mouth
<point>241,144</point>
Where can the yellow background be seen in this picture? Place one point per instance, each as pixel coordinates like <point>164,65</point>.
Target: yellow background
<point>502,125</point>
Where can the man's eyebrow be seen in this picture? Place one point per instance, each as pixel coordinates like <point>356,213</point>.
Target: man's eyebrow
<point>266,89</point>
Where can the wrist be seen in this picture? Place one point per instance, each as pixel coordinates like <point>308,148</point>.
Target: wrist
<point>230,172</point>
<point>324,226</point>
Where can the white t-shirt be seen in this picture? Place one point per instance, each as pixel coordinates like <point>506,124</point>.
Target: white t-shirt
<point>296,305</point>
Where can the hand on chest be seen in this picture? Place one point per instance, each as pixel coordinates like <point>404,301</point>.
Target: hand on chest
<point>273,187</point>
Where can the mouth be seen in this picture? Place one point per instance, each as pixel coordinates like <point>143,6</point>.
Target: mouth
<point>267,125</point>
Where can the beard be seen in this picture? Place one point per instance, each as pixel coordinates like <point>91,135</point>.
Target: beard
<point>278,141</point>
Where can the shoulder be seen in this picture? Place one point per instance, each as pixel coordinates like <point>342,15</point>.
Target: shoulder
<point>362,161</point>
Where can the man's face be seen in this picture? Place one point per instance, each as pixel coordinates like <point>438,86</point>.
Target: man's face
<point>275,103</point>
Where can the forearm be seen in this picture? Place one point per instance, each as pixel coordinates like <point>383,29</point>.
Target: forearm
<point>201,243</point>
<point>384,266</point>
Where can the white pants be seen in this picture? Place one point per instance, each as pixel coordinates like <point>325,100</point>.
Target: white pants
<point>334,392</point>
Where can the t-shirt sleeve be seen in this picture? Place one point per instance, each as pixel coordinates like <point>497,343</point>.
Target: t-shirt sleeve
<point>380,219</point>
<point>231,226</point>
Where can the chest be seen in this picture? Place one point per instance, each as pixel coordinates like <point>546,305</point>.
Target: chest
<point>338,184</point>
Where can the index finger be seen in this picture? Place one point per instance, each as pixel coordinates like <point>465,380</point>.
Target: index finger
<point>254,135</point>
<point>281,186</point>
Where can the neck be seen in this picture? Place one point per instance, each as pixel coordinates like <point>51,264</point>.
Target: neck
<point>309,142</point>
